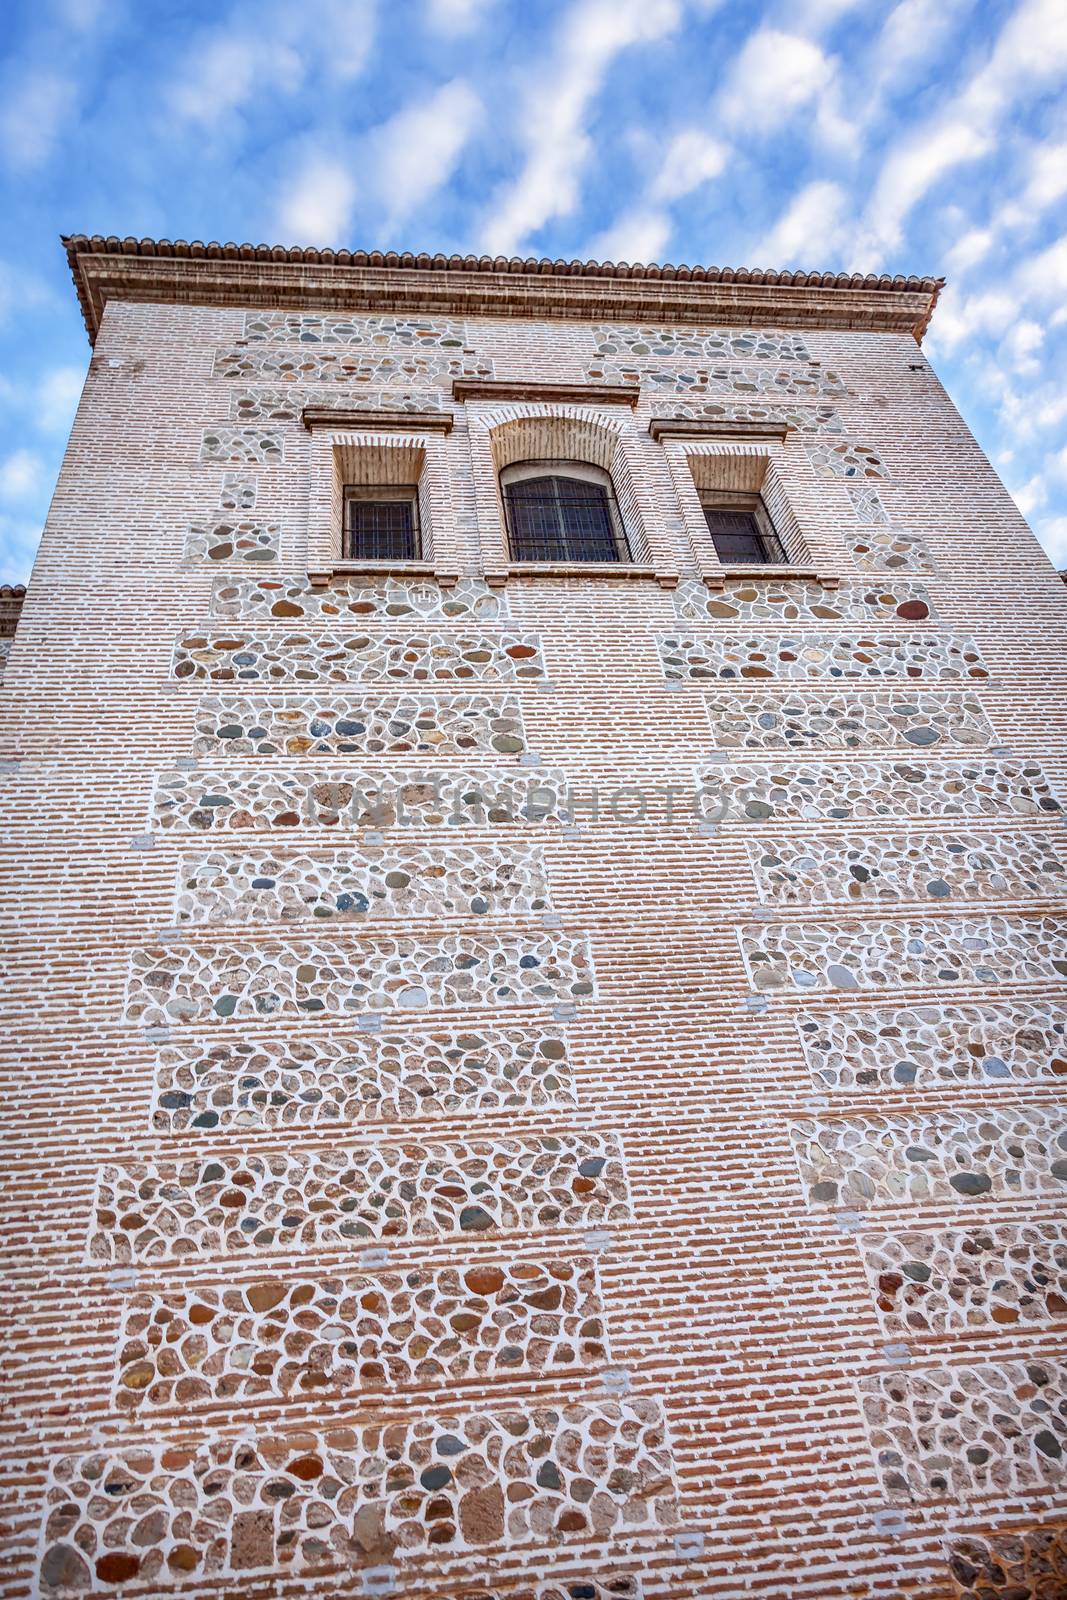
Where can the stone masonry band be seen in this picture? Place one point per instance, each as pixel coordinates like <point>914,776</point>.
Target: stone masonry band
<point>329,978</point>
<point>998,1153</point>
<point>300,1082</point>
<point>934,1046</point>
<point>987,951</point>
<point>350,1498</point>
<point>997,1276</point>
<point>245,656</point>
<point>963,1431</point>
<point>402,882</point>
<point>336,723</point>
<point>284,1338</point>
<point>226,1204</point>
<point>281,800</point>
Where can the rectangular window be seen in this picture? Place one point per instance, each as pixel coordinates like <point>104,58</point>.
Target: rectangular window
<point>382,523</point>
<point>741,530</point>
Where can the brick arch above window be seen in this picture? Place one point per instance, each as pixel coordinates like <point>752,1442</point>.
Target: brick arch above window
<point>508,436</point>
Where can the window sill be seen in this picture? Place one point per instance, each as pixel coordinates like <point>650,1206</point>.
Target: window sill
<point>498,576</point>
<point>382,569</point>
<point>771,571</point>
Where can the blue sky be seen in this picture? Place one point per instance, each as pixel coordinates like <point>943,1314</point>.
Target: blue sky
<point>888,135</point>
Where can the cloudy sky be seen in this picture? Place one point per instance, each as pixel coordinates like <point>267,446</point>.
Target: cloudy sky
<point>889,135</point>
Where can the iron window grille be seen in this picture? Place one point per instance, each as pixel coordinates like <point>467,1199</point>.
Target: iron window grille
<point>742,531</point>
<point>557,516</point>
<point>381,523</point>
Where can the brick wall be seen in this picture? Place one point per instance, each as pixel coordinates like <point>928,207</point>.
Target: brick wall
<point>507,1196</point>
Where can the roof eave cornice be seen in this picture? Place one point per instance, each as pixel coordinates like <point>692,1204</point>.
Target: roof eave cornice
<point>150,271</point>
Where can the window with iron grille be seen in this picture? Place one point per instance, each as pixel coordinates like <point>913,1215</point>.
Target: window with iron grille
<point>741,530</point>
<point>562,511</point>
<point>382,523</point>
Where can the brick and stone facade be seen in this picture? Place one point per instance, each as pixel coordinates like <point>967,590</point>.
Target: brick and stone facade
<point>540,1081</point>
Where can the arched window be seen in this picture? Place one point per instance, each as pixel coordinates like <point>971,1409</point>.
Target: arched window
<point>562,511</point>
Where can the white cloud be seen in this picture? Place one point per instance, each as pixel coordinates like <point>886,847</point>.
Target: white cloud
<point>1030,51</point>
<point>21,475</point>
<point>228,69</point>
<point>910,170</point>
<point>810,230</point>
<point>1052,531</point>
<point>637,236</point>
<point>775,75</point>
<point>271,51</point>
<point>32,118</point>
<point>962,317</point>
<point>813,16</point>
<point>58,394</point>
<point>970,248</point>
<point>316,206</point>
<point>1043,277</point>
<point>692,158</point>
<point>1049,408</point>
<point>415,152</point>
<point>81,14</point>
<point>338,33</point>
<point>912,33</point>
<point>1020,344</point>
<point>593,33</point>
<point>456,16</point>
<point>19,538</point>
<point>1047,182</point>
<point>20,291</point>
<point>1030,495</point>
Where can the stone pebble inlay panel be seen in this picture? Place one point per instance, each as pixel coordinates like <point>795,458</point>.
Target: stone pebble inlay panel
<point>808,382</point>
<point>846,459</point>
<point>885,955</point>
<point>264,800</point>
<point>962,1431</point>
<point>934,1046</point>
<point>359,725</point>
<point>402,881</point>
<point>884,549</point>
<point>927,1283</point>
<point>800,600</point>
<point>804,419</point>
<point>767,344</point>
<point>876,721</point>
<point>626,1587</point>
<point>856,790</point>
<point>816,657</point>
<point>253,542</point>
<point>346,1498</point>
<point>382,370</point>
<point>338,1336</point>
<point>867,504</point>
<point>241,446</point>
<point>941,866</point>
<point>996,1154</point>
<point>1010,1563</point>
<point>287,405</point>
<point>238,491</point>
<point>373,599</point>
<point>231,1205</point>
<point>332,978</point>
<point>274,1083</point>
<point>295,658</point>
<point>299,327</point>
